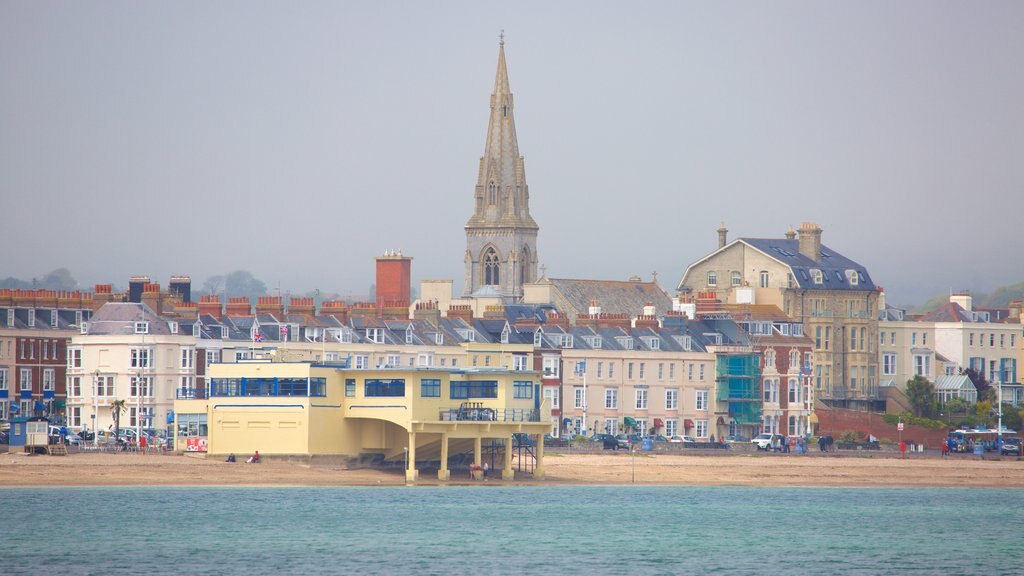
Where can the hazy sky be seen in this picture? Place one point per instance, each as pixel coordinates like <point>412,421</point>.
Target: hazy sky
<point>300,140</point>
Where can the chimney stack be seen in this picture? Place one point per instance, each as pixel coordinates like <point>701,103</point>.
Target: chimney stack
<point>723,234</point>
<point>810,241</point>
<point>790,233</point>
<point>963,299</point>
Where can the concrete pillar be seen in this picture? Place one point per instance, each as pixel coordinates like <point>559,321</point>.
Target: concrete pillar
<point>411,473</point>
<point>477,451</point>
<point>507,473</point>
<point>443,473</point>
<point>538,471</point>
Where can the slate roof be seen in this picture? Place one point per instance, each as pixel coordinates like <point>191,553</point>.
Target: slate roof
<point>614,297</point>
<point>66,318</point>
<point>947,312</point>
<point>833,265</point>
<point>119,318</point>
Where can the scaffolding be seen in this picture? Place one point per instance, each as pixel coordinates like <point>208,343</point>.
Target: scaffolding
<point>739,384</point>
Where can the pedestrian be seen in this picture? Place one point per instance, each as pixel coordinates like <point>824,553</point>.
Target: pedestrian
<point>903,449</point>
<point>821,443</point>
<point>487,469</point>
<point>944,449</point>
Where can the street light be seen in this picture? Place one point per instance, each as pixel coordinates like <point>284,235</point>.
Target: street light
<point>999,428</point>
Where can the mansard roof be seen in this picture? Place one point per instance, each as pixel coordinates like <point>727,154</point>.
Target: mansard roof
<point>834,266</point>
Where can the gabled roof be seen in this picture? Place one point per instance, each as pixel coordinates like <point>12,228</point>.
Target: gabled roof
<point>119,318</point>
<point>947,312</point>
<point>614,297</point>
<point>956,382</point>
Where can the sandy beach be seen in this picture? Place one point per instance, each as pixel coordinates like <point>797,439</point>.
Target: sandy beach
<point>850,470</point>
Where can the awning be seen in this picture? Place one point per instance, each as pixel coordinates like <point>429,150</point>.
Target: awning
<point>688,423</point>
<point>814,418</point>
<point>658,422</point>
<point>629,422</point>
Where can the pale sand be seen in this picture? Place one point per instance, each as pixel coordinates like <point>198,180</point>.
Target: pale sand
<point>852,470</point>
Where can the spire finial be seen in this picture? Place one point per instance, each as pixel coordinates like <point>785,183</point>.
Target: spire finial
<point>501,38</point>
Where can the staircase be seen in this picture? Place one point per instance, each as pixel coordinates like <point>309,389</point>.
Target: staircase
<point>57,450</point>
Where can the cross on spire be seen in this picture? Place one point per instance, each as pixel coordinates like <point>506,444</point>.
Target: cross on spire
<point>501,37</point>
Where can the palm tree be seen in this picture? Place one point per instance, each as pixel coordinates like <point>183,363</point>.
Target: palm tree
<point>116,408</point>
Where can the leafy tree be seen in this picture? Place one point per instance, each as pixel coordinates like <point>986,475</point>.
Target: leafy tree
<point>242,283</point>
<point>921,394</point>
<point>1011,417</point>
<point>117,407</point>
<point>978,379</point>
<point>59,279</point>
<point>983,408</point>
<point>955,406</point>
<point>213,284</point>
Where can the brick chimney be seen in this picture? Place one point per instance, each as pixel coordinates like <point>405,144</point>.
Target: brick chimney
<point>209,305</point>
<point>427,311</point>
<point>101,296</point>
<point>790,233</point>
<point>394,280</point>
<point>810,241</point>
<point>150,296</point>
<point>239,306</point>
<point>336,309</point>
<point>303,306</point>
<point>270,305</point>
<point>464,311</point>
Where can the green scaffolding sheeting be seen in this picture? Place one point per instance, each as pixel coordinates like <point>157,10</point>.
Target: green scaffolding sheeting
<point>739,384</point>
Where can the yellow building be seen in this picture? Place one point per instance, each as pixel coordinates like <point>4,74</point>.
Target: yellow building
<point>411,414</point>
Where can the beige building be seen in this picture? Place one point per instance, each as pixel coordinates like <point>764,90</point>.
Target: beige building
<point>833,296</point>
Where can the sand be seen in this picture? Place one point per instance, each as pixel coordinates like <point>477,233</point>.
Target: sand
<point>844,470</point>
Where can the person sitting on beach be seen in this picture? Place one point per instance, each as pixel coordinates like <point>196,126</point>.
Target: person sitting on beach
<point>231,458</point>
<point>254,459</point>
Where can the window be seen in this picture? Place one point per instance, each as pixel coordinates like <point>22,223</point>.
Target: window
<point>611,370</point>
<point>551,395</point>
<point>924,338</point>
<point>629,371</point>
<point>492,267</point>
<point>426,359</point>
<point>913,338</point>
<point>701,400</point>
<point>769,359</point>
<point>380,387</point>
<point>188,358</point>
<point>671,370</point>
<point>187,383</point>
<point>25,379</point>
<point>828,336</point>
<point>771,390</point>
<point>816,275</point>
<point>671,399</point>
<point>212,357</point>
<point>702,428</point>
<point>736,279</point>
<point>191,425</point>
<point>661,370</point>
<point>362,361</point>
<point>600,368</point>
<point>429,388</point>
<point>970,339</point>
<point>712,279</point>
<point>611,398</point>
<point>140,417</point>
<point>142,327</point>
<point>49,380</point>
<point>881,338</point>
<point>551,366</point>
<point>580,398</point>
<point>465,389</point>
<point>702,372</point>
<point>611,425</point>
<point>74,358</point>
<point>3,380</point>
<point>854,372</point>
<point>75,416</point>
<point>853,338</point>
<point>888,364</point>
<point>690,372</point>
<point>141,358</point>
<point>641,399</point>
<point>375,335</point>
<point>671,427</point>
<point>74,386</point>
<point>31,318</point>
<point>104,386</point>
<point>141,386</point>
<point>923,365</point>
<point>764,278</point>
<point>794,390</point>
<point>642,370</point>
<point>992,339</point>
<point>522,389</point>
<point>392,360</point>
<point>350,388</point>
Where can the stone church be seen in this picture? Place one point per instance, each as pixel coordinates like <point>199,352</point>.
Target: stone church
<point>501,236</point>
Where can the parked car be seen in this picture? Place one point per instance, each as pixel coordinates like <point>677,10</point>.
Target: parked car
<point>766,441</point>
<point>608,441</point>
<point>736,438</point>
<point>627,440</point>
<point>677,439</point>
<point>4,437</point>
<point>1011,446</point>
<point>656,438</point>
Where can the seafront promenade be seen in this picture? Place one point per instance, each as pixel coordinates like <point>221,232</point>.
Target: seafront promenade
<point>851,469</point>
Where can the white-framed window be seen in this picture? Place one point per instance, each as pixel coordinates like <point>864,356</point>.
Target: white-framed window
<point>712,278</point>
<point>579,398</point>
<point>173,327</point>
<point>794,426</point>
<point>702,372</point>
<point>361,361</point>
<point>49,379</point>
<point>552,366</point>
<point>212,357</point>
<point>642,366</point>
<point>25,379</point>
<point>393,361</point>
<point>888,364</point>
<point>186,383</point>
<point>410,336</point>
<point>141,386</point>
<point>188,358</point>
<point>736,279</point>
<point>641,399</point>
<point>31,318</point>
<point>600,368</point>
<point>3,379</point>
<point>375,335</point>
<point>701,400</point>
<point>764,278</point>
<point>74,358</point>
<point>425,359</point>
<point>142,327</point>
<point>923,365</point>
<point>641,425</point>
<point>141,358</point>
<point>771,390</point>
<point>519,362</point>
<point>661,370</point>
<point>10,317</point>
<point>104,386</point>
<point>140,417</point>
<point>769,359</point>
<point>27,407</point>
<point>74,417</point>
<point>793,390</point>
<point>611,370</point>
<point>672,399</point>
<point>611,425</point>
<point>3,411</point>
<point>671,427</point>
<point>702,428</point>
<point>794,360</point>
<point>551,395</point>
<point>611,398</point>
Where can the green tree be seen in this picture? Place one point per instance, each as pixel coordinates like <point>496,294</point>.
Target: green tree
<point>983,408</point>
<point>1011,417</point>
<point>921,394</point>
<point>955,406</point>
<point>242,283</point>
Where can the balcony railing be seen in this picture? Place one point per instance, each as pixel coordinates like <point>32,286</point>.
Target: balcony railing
<point>191,394</point>
<point>475,413</point>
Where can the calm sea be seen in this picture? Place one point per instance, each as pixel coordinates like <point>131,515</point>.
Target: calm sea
<point>621,530</point>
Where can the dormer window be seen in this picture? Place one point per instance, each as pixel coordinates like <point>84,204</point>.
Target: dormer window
<point>142,327</point>
<point>853,277</point>
<point>538,337</point>
<point>652,342</point>
<point>173,326</point>
<point>817,276</point>
<point>409,335</point>
<point>438,338</point>
<point>375,335</point>
<point>31,318</point>
<point>84,328</point>
<point>196,330</point>
<point>53,318</point>
<point>224,333</point>
<point>685,342</point>
<point>78,317</point>
<point>714,337</point>
<point>625,341</point>
<point>505,334</point>
<point>10,318</point>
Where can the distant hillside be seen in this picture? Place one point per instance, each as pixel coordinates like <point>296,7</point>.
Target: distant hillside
<point>999,298</point>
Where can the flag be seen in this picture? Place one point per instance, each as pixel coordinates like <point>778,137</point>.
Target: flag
<point>581,367</point>
<point>256,336</point>
<point>284,331</point>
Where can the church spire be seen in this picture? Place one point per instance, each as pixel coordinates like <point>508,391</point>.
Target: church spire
<point>501,235</point>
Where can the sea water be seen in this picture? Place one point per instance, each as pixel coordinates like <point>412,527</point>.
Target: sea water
<point>585,530</point>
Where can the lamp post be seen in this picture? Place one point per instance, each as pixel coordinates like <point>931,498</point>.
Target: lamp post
<point>999,427</point>
<point>95,407</point>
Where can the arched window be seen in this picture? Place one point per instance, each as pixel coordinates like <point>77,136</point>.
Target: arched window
<point>492,193</point>
<point>524,267</point>
<point>492,268</point>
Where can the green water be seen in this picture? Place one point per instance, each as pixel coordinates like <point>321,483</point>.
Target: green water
<point>622,530</point>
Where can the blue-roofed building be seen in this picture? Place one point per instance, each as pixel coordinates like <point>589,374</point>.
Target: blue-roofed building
<point>832,295</point>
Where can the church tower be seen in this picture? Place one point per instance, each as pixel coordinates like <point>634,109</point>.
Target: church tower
<point>501,236</point>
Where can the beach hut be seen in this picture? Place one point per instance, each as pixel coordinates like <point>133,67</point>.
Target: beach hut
<point>30,433</point>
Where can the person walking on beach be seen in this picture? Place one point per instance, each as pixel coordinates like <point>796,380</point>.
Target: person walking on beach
<point>944,449</point>
<point>821,444</point>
